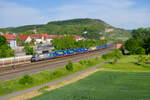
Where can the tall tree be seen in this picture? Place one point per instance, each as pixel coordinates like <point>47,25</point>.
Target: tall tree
<point>5,50</point>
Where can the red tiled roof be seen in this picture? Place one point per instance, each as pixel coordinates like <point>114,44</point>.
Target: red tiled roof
<point>23,37</point>
<point>36,36</point>
<point>9,36</point>
<point>44,35</point>
<point>51,36</point>
<point>77,37</point>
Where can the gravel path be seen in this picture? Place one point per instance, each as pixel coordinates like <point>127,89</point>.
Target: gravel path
<point>50,83</point>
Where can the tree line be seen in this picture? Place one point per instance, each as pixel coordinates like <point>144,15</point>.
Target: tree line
<point>69,42</point>
<point>140,42</point>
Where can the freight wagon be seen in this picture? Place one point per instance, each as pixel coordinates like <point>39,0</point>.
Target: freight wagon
<point>55,54</point>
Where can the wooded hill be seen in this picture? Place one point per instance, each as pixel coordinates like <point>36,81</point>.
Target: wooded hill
<point>89,28</point>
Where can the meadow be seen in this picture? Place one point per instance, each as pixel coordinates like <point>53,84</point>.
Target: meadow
<point>104,85</point>
<point>124,80</point>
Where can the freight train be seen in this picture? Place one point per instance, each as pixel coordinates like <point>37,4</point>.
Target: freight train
<point>61,53</point>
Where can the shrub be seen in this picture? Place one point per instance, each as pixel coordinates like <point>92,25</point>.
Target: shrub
<point>69,66</point>
<point>90,63</point>
<point>29,50</point>
<point>113,54</point>
<point>140,59</point>
<point>26,80</point>
<point>82,62</point>
<point>140,50</point>
<point>147,60</point>
<point>58,73</point>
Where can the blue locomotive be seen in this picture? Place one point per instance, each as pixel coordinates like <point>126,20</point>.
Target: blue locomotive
<point>44,56</point>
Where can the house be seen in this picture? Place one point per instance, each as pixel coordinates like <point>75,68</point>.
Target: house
<point>118,45</point>
<point>43,38</point>
<point>78,38</point>
<point>50,38</point>
<point>11,39</point>
<point>25,38</point>
<point>38,38</point>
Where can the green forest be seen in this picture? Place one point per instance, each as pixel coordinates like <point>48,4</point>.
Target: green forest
<point>139,43</point>
<point>69,42</point>
<point>94,28</point>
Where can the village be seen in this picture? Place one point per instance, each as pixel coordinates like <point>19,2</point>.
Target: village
<point>39,42</point>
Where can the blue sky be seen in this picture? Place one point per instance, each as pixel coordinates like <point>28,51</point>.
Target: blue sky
<point>128,14</point>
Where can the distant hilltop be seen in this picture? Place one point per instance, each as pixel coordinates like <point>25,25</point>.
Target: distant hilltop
<point>86,27</point>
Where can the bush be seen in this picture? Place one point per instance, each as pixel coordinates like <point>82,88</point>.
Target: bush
<point>58,73</point>
<point>69,66</point>
<point>26,80</point>
<point>82,62</point>
<point>29,50</point>
<point>140,59</point>
<point>140,50</point>
<point>90,63</point>
<point>113,54</point>
<point>147,60</point>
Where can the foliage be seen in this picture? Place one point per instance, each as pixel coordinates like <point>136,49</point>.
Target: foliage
<point>29,32</point>
<point>69,66</point>
<point>147,45</point>
<point>3,40</point>
<point>19,42</point>
<point>65,42</point>
<point>26,80</point>
<point>94,28</point>
<point>3,30</point>
<point>69,42</point>
<point>23,29</point>
<point>29,50</point>
<point>140,50</point>
<point>5,50</point>
<point>140,41</point>
<point>134,46</point>
<point>82,62</point>
<point>140,59</point>
<point>114,54</point>
<point>141,33</point>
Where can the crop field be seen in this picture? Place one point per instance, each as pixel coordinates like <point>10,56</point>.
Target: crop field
<point>105,85</point>
<point>124,80</point>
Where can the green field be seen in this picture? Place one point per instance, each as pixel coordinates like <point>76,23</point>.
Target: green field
<point>105,85</point>
<point>127,63</point>
<point>124,80</point>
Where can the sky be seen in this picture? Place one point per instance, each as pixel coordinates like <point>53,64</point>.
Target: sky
<point>127,14</point>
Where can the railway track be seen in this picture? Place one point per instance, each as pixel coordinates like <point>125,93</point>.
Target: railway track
<point>16,71</point>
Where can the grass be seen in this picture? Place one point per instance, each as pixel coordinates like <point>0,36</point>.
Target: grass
<point>104,85</point>
<point>11,86</point>
<point>127,63</point>
<point>125,80</point>
<point>43,89</point>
